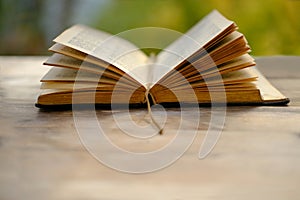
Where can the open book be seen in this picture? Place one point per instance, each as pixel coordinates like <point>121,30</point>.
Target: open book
<point>208,64</point>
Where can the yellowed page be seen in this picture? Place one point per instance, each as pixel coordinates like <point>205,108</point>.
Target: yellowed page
<point>69,62</point>
<point>65,74</point>
<point>111,49</point>
<point>84,86</point>
<point>73,53</point>
<point>196,38</point>
<point>236,77</point>
<point>268,92</point>
<point>205,63</point>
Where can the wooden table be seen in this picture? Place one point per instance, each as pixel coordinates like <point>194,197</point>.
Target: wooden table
<point>256,157</point>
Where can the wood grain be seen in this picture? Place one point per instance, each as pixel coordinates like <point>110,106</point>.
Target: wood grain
<point>256,157</point>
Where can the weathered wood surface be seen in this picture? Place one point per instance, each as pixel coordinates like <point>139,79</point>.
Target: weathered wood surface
<point>41,156</point>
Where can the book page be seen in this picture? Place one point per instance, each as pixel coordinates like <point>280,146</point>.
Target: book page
<point>235,77</point>
<point>268,92</point>
<point>195,39</point>
<point>73,53</point>
<point>65,74</point>
<point>111,49</point>
<point>69,62</point>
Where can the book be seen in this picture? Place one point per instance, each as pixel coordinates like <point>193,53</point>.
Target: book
<point>209,64</point>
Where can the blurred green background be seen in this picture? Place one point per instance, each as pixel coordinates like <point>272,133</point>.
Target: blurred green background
<point>27,27</point>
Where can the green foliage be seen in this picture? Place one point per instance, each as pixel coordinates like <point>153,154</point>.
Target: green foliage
<point>20,27</point>
<point>271,26</point>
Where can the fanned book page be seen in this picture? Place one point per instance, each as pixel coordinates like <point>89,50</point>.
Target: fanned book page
<point>211,60</point>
